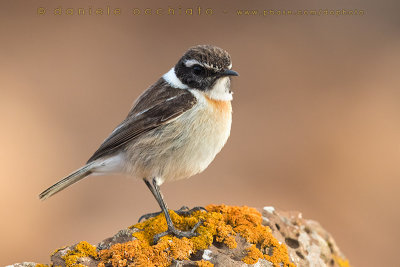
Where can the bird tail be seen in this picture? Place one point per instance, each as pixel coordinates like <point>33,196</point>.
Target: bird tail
<point>67,181</point>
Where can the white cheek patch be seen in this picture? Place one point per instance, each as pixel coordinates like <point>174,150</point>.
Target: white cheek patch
<point>171,79</point>
<point>221,90</point>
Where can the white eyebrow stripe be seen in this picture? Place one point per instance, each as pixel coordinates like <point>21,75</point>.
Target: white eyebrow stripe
<point>191,62</point>
<point>171,79</point>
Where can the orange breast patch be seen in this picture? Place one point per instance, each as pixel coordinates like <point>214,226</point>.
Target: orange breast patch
<point>220,105</point>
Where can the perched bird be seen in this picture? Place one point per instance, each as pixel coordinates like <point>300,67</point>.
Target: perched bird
<point>173,131</point>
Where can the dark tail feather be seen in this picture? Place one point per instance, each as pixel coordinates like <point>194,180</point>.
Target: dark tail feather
<point>67,181</point>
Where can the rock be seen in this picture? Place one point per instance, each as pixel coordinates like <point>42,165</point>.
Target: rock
<point>229,236</point>
<point>308,243</point>
<point>23,264</point>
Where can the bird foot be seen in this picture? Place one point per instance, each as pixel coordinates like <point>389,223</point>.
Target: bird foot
<point>183,211</point>
<point>178,233</point>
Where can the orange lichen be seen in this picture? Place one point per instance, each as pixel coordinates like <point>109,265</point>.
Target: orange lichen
<point>41,265</point>
<point>221,224</point>
<point>82,249</point>
<point>247,222</point>
<point>253,255</point>
<point>142,252</point>
<point>342,262</point>
<point>204,263</point>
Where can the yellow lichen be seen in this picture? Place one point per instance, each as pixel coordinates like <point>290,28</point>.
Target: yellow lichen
<point>41,265</point>
<point>82,249</point>
<point>221,223</point>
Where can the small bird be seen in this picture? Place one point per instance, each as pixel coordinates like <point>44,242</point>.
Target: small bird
<point>173,131</point>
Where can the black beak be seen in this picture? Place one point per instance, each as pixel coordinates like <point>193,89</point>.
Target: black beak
<point>229,73</point>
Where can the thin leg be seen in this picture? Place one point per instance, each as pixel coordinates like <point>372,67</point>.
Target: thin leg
<point>155,190</point>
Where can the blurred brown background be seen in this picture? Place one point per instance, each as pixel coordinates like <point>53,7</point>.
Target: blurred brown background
<point>316,118</point>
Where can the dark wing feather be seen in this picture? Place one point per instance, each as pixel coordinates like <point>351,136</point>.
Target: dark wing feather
<point>159,105</point>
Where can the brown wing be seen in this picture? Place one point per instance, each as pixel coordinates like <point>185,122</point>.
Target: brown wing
<point>157,106</point>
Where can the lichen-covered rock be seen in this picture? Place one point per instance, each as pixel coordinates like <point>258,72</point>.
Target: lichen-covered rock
<point>228,236</point>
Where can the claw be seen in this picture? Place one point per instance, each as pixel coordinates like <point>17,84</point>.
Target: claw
<point>155,190</point>
<point>188,211</point>
<point>178,233</point>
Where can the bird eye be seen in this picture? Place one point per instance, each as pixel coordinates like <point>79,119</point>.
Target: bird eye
<point>198,70</point>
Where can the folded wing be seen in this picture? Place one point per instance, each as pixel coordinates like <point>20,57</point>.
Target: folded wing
<point>158,105</point>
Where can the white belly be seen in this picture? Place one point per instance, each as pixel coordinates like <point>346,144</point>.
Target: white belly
<point>183,147</point>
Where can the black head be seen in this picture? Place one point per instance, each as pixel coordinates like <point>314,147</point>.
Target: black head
<point>202,65</point>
